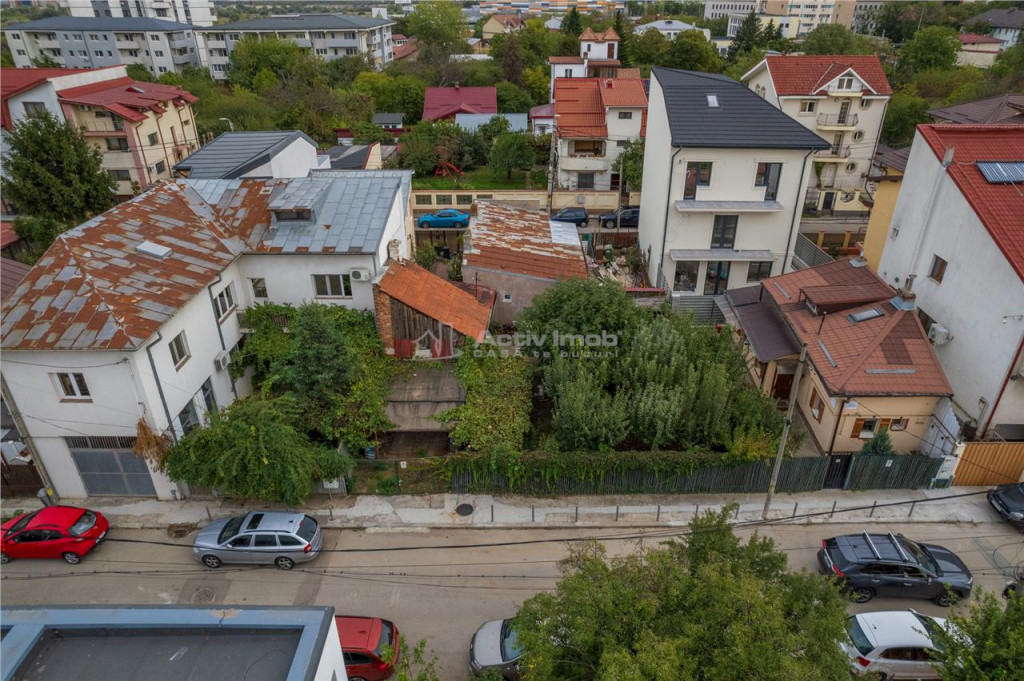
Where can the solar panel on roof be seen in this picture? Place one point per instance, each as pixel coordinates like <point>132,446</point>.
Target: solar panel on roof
<point>1002,172</point>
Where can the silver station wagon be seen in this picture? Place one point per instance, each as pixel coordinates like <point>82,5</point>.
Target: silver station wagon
<point>259,538</point>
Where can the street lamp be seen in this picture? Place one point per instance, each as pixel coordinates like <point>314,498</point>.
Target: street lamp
<point>231,125</point>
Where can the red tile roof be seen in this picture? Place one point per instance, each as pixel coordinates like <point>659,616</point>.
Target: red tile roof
<point>437,298</point>
<point>521,241</point>
<point>598,37</point>
<point>623,92</point>
<point>543,111</point>
<point>13,81</point>
<point>976,38</point>
<point>12,273</point>
<point>565,60</point>
<point>126,97</point>
<point>581,104</point>
<point>808,75</point>
<point>445,102</point>
<point>7,234</point>
<point>887,355</point>
<point>410,48</point>
<point>1000,207</point>
<point>508,20</point>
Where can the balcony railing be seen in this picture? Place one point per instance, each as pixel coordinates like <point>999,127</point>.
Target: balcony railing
<point>834,152</point>
<point>849,119</point>
<point>807,254</point>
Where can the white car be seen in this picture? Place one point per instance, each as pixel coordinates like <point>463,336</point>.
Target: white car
<point>896,644</point>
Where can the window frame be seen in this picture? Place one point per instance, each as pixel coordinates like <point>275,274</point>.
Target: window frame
<point>224,303</point>
<point>625,115</point>
<point>759,265</point>
<point>724,226</point>
<point>870,432</point>
<point>687,269</point>
<point>179,349</point>
<point>79,388</point>
<point>153,138</point>
<point>262,286</point>
<point>806,110</point>
<point>695,171</point>
<point>937,271</point>
<point>344,284</point>
<point>160,167</point>
<point>767,175</point>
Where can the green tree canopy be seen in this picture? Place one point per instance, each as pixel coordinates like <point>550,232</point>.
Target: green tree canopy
<point>632,159</point>
<point>343,70</point>
<point>513,99</point>
<point>438,24</point>
<point>692,51</point>
<point>836,39</point>
<point>571,23</point>
<point>933,47</point>
<point>510,151</point>
<point>51,171</point>
<point>748,35</point>
<point>140,72</point>
<point>989,643</point>
<point>270,57</point>
<point>650,48</point>
<point>879,445</point>
<point>395,94</point>
<point>906,110</point>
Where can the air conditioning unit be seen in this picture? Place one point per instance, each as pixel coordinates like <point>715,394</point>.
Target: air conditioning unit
<point>360,275</point>
<point>939,335</point>
<point>222,360</point>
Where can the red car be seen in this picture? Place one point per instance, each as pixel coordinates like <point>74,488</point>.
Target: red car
<point>53,532</point>
<point>362,644</point>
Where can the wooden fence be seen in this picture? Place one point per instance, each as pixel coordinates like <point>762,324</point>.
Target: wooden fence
<point>19,481</point>
<point>990,463</point>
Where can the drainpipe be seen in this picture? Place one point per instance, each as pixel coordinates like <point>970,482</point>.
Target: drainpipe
<point>797,211</point>
<point>668,205</point>
<point>216,321</point>
<point>159,387</point>
<point>1006,380</point>
<point>839,419</point>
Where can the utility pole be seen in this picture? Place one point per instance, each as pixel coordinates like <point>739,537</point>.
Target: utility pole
<point>551,162</point>
<point>793,389</point>
<point>618,210</point>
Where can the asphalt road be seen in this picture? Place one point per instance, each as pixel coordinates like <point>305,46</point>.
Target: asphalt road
<point>430,583</point>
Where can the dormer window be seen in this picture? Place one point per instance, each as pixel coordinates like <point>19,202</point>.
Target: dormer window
<point>845,83</point>
<point>298,215</point>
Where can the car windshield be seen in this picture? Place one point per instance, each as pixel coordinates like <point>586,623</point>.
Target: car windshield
<point>387,637</point>
<point>924,558</point>
<point>307,528</point>
<point>21,524</point>
<point>932,629</point>
<point>857,636</point>
<point>84,523</point>
<point>510,649</point>
<point>231,529</point>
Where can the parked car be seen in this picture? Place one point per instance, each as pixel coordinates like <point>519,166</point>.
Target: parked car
<point>444,218</point>
<point>869,565</point>
<point>66,532</point>
<point>893,645</point>
<point>362,646</point>
<point>624,217</point>
<point>494,646</point>
<point>261,537</point>
<point>576,216</point>
<point>1008,501</point>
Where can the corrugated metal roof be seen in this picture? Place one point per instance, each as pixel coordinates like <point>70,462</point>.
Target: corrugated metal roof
<point>299,22</point>
<point>235,153</point>
<point>12,273</point>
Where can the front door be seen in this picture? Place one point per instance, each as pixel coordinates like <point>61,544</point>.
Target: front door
<point>844,112</point>
<point>838,465</point>
<point>783,384</point>
<point>829,202</point>
<point>717,278</point>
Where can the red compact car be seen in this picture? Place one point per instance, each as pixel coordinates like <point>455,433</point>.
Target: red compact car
<point>53,532</point>
<point>362,644</point>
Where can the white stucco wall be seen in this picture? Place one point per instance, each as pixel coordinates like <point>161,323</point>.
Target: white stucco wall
<point>658,151</point>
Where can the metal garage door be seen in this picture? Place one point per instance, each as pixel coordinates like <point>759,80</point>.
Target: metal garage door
<point>108,466</point>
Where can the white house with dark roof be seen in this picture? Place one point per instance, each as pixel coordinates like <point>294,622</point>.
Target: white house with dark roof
<point>134,314</point>
<point>725,174</point>
<point>264,154</point>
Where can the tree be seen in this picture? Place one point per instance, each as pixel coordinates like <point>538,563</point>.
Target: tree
<point>631,159</point>
<point>537,82</point>
<point>835,39</point>
<point>747,36</point>
<point>39,233</point>
<point>511,60</point>
<point>140,72</point>
<point>438,24</point>
<point>933,47</point>
<point>650,48</point>
<point>742,62</point>
<point>368,133</point>
<point>879,445</point>
<point>343,70</point>
<point>253,450</point>
<point>512,99</point>
<point>691,50</point>
<point>52,172</point>
<point>707,607</point>
<point>44,61</point>
<point>906,110</point>
<point>986,644</point>
<point>511,151</point>
<point>571,23</point>
<point>270,56</point>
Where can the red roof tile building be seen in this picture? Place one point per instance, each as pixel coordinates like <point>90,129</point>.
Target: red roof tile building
<point>598,58</point>
<point>441,103</point>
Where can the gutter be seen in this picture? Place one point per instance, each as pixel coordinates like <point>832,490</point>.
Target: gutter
<point>664,229</point>
<point>159,387</point>
<point>787,260</point>
<point>220,333</point>
<point>1006,380</point>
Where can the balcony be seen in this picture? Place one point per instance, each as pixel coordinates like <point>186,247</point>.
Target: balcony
<point>837,121</point>
<point>836,91</point>
<point>834,154</point>
<point>584,162</point>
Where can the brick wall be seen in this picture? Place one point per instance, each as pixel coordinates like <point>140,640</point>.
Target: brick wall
<point>382,310</point>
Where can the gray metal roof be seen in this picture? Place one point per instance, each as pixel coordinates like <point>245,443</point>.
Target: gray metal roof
<point>100,24</point>
<point>1002,18</point>
<point>303,22</point>
<point>388,118</point>
<point>742,119</point>
<point>235,153</point>
<point>517,122</point>
<point>350,156</point>
<point>403,176</point>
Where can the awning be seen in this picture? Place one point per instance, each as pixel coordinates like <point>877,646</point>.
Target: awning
<point>679,254</point>
<point>728,206</point>
<point>768,336</point>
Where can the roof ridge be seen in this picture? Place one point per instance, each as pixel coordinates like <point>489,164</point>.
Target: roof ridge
<point>870,347</point>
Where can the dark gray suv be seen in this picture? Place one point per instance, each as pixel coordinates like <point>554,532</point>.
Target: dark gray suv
<point>869,565</point>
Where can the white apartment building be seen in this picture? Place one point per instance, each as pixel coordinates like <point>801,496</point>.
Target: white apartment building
<point>670,28</point>
<point>955,241</point>
<point>135,313</point>
<point>843,98</point>
<point>195,12</point>
<point>805,16</point>
<point>724,184</point>
<point>328,36</point>
<point>92,43</point>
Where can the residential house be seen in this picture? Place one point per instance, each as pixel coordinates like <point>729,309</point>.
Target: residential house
<point>764,21</point>
<point>843,98</point>
<point>410,50</point>
<point>725,175</point>
<point>389,121</point>
<point>195,12</point>
<point>538,7</point>
<point>891,166</point>
<point>471,122</point>
<point>83,366</point>
<point>999,109</point>
<point>805,16</point>
<point>869,366</point>
<point>554,24</point>
<point>670,28</point>
<point>277,154</point>
<point>956,242</point>
<point>542,119</point>
<point>594,119</point>
<point>398,39</point>
<point>356,156</point>
<point>92,43</point>
<point>501,24</point>
<point>599,58</point>
<point>978,50</point>
<point>141,129</point>
<point>518,253</point>
<point>1006,24</point>
<point>328,36</point>
<point>441,103</point>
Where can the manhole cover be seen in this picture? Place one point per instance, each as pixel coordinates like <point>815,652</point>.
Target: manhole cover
<point>464,509</point>
<point>203,595</point>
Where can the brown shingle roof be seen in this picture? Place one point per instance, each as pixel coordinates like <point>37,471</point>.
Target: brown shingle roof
<point>437,298</point>
<point>11,274</point>
<point>1000,109</point>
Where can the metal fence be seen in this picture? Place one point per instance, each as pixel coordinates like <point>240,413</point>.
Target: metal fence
<point>807,254</point>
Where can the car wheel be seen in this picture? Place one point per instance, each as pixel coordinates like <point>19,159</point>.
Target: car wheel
<point>947,598</point>
<point>356,678</point>
<point>462,224</point>
<point>4,558</point>
<point>71,557</point>
<point>609,224</point>
<point>284,562</point>
<point>861,594</point>
<point>212,562</point>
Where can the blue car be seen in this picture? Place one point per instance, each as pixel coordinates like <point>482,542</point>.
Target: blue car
<point>444,218</point>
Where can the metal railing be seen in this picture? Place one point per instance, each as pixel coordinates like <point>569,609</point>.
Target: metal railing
<point>834,152</point>
<point>808,253</point>
<point>849,119</point>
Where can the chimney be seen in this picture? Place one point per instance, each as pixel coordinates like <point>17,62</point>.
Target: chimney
<point>609,84</point>
<point>904,298</point>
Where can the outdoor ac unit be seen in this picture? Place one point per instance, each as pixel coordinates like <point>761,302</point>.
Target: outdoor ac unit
<point>222,360</point>
<point>939,335</point>
<point>360,275</point>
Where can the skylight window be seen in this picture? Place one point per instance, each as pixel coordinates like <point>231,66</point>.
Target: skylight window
<point>154,250</point>
<point>713,101</point>
<point>865,315</point>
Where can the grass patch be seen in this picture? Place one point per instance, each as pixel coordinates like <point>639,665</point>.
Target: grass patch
<point>379,477</point>
<point>483,178</point>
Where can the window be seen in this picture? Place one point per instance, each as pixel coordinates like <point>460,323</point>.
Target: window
<point>716,281</point>
<point>867,429</point>
<point>756,271</point>
<point>851,167</point>
<point>117,144</point>
<point>584,180</point>
<point>817,405</point>
<point>288,540</point>
<point>464,199</point>
<point>121,175</point>
<point>321,51</point>
<point>33,107</point>
<point>938,270</point>
<point>858,135</point>
<point>424,199</point>
<point>224,302</point>
<point>93,36</point>
<point>723,235</point>
<point>625,115</point>
<point>154,139</point>
<point>588,147</point>
<point>332,285</point>
<point>21,53</point>
<point>506,297</point>
<point>73,386</point>
<point>160,167</point>
<point>265,541</point>
<point>179,350</point>
<point>620,143</point>
<point>844,83</point>
<point>154,37</point>
<point>158,53</point>
<point>259,287</point>
<point>444,199</point>
<point>298,215</point>
<point>697,175</point>
<point>808,106</point>
<point>98,53</point>
<point>15,36</point>
<point>686,276</point>
<point>865,103</point>
<point>767,176</point>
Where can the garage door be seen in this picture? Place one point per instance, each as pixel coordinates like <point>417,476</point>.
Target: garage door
<point>107,466</point>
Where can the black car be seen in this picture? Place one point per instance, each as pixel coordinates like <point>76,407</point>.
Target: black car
<point>869,565</point>
<point>576,216</point>
<point>1008,501</point>
<point>624,217</point>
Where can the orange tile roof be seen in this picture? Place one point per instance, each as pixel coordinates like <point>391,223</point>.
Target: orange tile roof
<point>508,20</point>
<point>579,109</point>
<point>887,355</point>
<point>437,298</point>
<point>565,60</point>
<point>598,37</point>
<point>1000,207</point>
<point>623,92</point>
<point>807,75</point>
<point>520,241</point>
<point>127,97</point>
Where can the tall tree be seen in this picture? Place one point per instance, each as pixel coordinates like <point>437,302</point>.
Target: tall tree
<point>835,39</point>
<point>319,368</point>
<point>631,159</point>
<point>933,47</point>
<point>691,50</point>
<point>51,171</point>
<point>270,56</point>
<point>906,110</point>
<point>986,643</point>
<point>650,48</point>
<point>439,27</point>
<point>571,23</point>
<point>140,72</point>
<point>748,35</point>
<point>512,61</point>
<point>512,99</point>
<point>510,151</point>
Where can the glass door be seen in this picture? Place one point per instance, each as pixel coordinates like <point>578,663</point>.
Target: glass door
<point>717,278</point>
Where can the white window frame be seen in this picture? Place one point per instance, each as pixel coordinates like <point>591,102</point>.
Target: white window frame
<point>898,425</point>
<point>808,107</point>
<point>224,303</point>
<point>339,291</point>
<point>844,83</point>
<point>72,385</point>
<point>257,288</point>
<point>868,433</point>
<point>179,350</point>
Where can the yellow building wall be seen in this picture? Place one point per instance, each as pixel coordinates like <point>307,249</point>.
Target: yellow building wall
<point>881,217</point>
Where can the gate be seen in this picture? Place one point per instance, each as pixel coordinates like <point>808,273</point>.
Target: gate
<point>838,466</point>
<point>20,481</point>
<point>899,471</point>
<point>990,463</point>
<point>108,466</point>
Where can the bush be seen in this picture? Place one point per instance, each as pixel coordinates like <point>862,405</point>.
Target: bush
<point>426,257</point>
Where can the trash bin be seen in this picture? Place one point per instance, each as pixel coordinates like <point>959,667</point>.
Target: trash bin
<point>44,496</point>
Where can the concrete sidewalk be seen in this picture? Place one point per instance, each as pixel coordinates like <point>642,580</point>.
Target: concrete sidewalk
<point>381,513</point>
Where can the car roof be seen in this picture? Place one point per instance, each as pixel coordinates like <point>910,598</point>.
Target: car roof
<point>272,521</point>
<point>357,633</point>
<point>55,516</point>
<point>896,629</point>
<point>855,548</point>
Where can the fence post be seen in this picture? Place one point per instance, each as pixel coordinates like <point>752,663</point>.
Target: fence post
<point>833,512</point>
<point>577,513</point>
<point>492,513</point>
<point>657,519</point>
<point>208,514</point>
<point>873,504</point>
<point>533,515</point>
<point>330,512</point>
<point>912,505</point>
<point>795,503</point>
<point>697,512</point>
<point>616,513</point>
